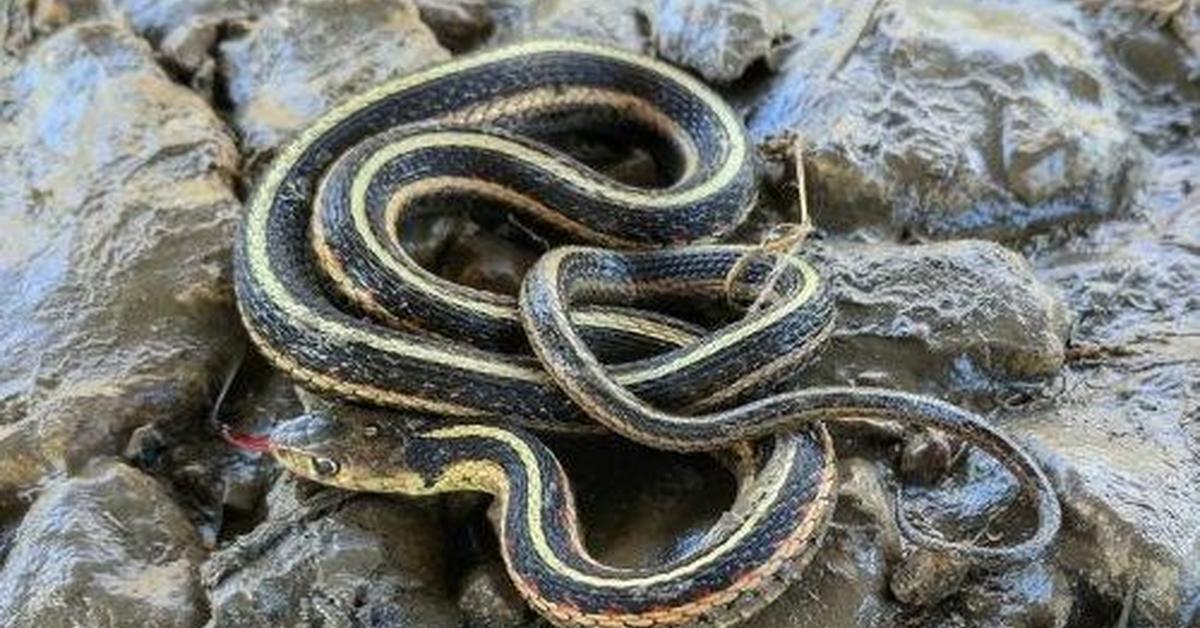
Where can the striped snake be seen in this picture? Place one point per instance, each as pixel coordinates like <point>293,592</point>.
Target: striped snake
<point>330,295</point>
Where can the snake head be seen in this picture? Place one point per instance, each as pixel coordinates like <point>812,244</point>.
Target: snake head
<point>347,452</point>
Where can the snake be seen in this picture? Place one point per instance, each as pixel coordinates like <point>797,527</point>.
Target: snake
<point>330,295</point>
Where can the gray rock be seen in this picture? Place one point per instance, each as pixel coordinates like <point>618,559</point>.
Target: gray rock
<point>1034,595</point>
<point>118,216</point>
<point>933,118</point>
<point>329,558</point>
<point>188,49</point>
<point>23,21</point>
<point>640,507</point>
<point>1185,23</point>
<point>284,72</point>
<point>1121,429</point>
<point>155,19</point>
<point>845,585</point>
<point>460,25</point>
<point>1132,282</point>
<point>941,120</point>
<point>1120,445</point>
<point>851,579</point>
<point>223,489</point>
<point>963,316</point>
<point>489,599</point>
<point>1155,46</point>
<point>620,23</point>
<point>106,549</point>
<point>718,39</point>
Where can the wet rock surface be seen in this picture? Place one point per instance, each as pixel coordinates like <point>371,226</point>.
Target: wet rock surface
<point>621,23</point>
<point>118,214</point>
<point>106,548</point>
<point>969,315</point>
<point>1063,132</point>
<point>950,118</point>
<point>719,40</point>
<point>489,599</point>
<point>283,72</point>
<point>1122,424</point>
<point>329,558</point>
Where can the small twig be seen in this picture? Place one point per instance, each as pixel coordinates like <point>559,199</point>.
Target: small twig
<point>214,413</point>
<point>784,239</point>
<point>1126,607</point>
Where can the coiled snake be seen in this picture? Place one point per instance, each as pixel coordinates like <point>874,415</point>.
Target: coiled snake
<point>330,295</point>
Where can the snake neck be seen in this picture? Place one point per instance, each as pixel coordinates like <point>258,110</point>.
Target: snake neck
<point>786,505</point>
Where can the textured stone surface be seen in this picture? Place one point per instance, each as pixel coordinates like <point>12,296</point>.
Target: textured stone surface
<point>459,25</point>
<point>489,599</point>
<point>155,19</point>
<point>106,549</point>
<point>118,217</point>
<point>950,118</point>
<point>283,72</point>
<point>327,558</point>
<point>1122,426</point>
<point>957,316</point>
<point>23,21</point>
<point>621,23</point>
<point>718,39</point>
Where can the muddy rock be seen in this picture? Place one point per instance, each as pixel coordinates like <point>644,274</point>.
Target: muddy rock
<point>329,558</point>
<point>1185,23</point>
<point>490,600</point>
<point>282,74</point>
<point>223,489</point>
<point>487,262</point>
<point>1032,595</point>
<point>1121,428</point>
<point>460,25</point>
<point>845,585</point>
<point>620,23</point>
<point>967,314</point>
<point>949,119</point>
<point>155,19</point>
<point>23,21</point>
<point>718,39</point>
<point>107,548</point>
<point>847,581</point>
<point>1133,282</point>
<point>1121,440</point>
<point>1154,46</point>
<point>851,579</point>
<point>119,217</point>
<point>188,51</point>
<point>648,509</point>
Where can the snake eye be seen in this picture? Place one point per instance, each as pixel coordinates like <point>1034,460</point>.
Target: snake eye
<point>325,467</point>
<point>371,430</point>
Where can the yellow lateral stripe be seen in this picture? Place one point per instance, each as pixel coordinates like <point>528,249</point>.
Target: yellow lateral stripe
<point>483,302</point>
<point>534,522</point>
<point>553,261</point>
<point>257,218</point>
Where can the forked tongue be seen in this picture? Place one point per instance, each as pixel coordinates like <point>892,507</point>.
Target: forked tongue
<point>253,443</point>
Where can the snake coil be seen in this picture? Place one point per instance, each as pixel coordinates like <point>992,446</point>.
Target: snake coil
<point>329,295</point>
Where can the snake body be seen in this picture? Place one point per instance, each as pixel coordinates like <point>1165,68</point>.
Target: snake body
<point>788,485</point>
<point>329,295</point>
<point>343,174</point>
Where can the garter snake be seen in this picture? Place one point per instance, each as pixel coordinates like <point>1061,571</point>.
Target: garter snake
<point>329,294</point>
<point>440,347</point>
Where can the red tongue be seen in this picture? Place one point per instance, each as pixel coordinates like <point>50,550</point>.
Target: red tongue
<point>254,443</point>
